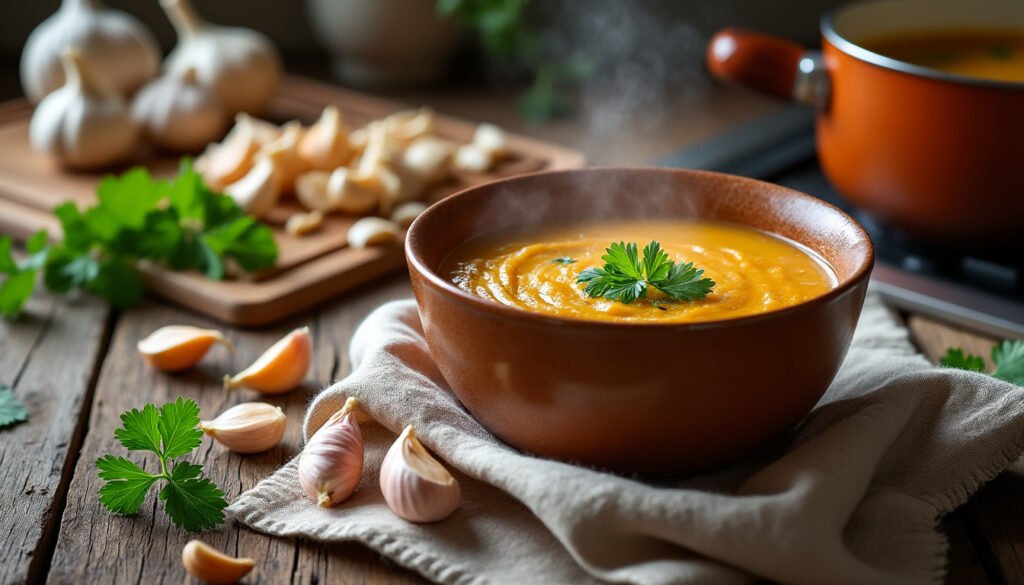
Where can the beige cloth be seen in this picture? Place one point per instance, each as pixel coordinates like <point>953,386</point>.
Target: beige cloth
<point>852,496</point>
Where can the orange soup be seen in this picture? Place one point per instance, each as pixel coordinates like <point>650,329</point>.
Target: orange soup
<point>996,55</point>
<point>537,270</point>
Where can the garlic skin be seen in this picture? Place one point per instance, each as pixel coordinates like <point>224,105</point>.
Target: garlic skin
<point>241,65</point>
<point>414,484</point>
<point>209,565</point>
<point>80,124</point>
<point>120,52</point>
<point>280,369</point>
<point>325,146</point>
<point>250,427</point>
<point>178,113</point>
<point>178,347</point>
<point>331,464</point>
<point>373,231</point>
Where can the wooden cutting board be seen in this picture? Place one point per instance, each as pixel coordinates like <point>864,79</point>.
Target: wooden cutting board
<point>311,268</point>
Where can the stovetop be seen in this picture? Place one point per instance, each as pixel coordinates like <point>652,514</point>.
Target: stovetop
<point>984,291</point>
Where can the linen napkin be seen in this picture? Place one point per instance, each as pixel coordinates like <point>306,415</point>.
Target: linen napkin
<point>852,495</point>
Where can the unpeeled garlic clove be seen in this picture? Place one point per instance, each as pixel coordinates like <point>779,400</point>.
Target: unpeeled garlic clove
<point>325,146</point>
<point>206,563</point>
<point>414,484</point>
<point>331,464</point>
<point>406,213</point>
<point>250,427</point>
<point>280,369</point>
<point>373,231</point>
<point>177,347</point>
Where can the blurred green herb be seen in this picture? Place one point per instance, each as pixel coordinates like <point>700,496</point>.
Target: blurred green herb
<point>11,409</point>
<point>1007,356</point>
<point>1002,52</point>
<point>564,260</point>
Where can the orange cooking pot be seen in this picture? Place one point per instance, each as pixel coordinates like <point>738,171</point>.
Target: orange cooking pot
<point>938,154</point>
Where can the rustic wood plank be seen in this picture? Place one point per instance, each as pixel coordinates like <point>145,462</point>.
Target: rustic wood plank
<point>48,358</point>
<point>98,547</point>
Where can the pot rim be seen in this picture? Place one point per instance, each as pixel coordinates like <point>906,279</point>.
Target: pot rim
<point>444,286</point>
<point>861,53</point>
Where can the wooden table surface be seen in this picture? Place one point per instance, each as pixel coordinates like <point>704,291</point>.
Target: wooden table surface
<point>73,363</point>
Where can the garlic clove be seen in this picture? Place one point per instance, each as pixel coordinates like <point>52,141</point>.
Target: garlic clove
<point>331,463</point>
<point>472,158</point>
<point>300,224</point>
<point>491,139</point>
<point>406,213</point>
<point>258,191</point>
<point>414,484</point>
<point>410,124</point>
<point>250,427</point>
<point>227,162</point>
<point>178,113</point>
<point>311,191</point>
<point>325,146</point>
<point>177,347</point>
<point>373,231</point>
<point>428,157</point>
<point>290,165</point>
<point>349,192</point>
<point>280,369</point>
<point>392,189</point>
<point>206,563</point>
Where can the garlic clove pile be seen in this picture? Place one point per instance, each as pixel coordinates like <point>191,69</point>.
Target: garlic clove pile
<point>178,347</point>
<point>241,65</point>
<point>207,564</point>
<point>373,231</point>
<point>178,113</point>
<point>325,146</point>
<point>120,52</point>
<point>280,369</point>
<point>331,463</point>
<point>414,484</point>
<point>290,164</point>
<point>250,427</point>
<point>82,125</point>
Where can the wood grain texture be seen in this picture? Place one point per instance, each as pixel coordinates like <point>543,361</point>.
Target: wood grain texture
<point>47,357</point>
<point>99,547</point>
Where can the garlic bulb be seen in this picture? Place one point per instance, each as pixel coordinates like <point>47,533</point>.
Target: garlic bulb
<point>240,64</point>
<point>80,124</point>
<point>325,146</point>
<point>280,369</point>
<point>177,347</point>
<point>120,52</point>
<point>211,566</point>
<point>331,464</point>
<point>178,113</point>
<point>372,231</point>
<point>250,427</point>
<point>258,191</point>
<point>414,484</point>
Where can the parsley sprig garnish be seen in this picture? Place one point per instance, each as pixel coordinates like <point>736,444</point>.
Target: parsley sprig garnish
<point>626,277</point>
<point>1007,356</point>
<point>193,502</point>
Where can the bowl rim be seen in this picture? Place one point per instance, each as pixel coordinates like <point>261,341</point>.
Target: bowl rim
<point>417,263</point>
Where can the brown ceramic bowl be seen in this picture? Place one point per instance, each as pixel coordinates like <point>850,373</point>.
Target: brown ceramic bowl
<point>648,398</point>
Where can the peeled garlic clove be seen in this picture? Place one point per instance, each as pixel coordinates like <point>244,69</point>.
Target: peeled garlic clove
<point>373,231</point>
<point>311,191</point>
<point>205,563</point>
<point>491,139</point>
<point>472,158</point>
<point>350,193</point>
<point>227,162</point>
<point>289,165</point>
<point>409,124</point>
<point>250,427</point>
<point>406,213</point>
<point>258,191</point>
<point>392,189</point>
<point>428,157</point>
<point>414,484</point>
<point>301,224</point>
<point>325,146</point>
<point>280,368</point>
<point>177,347</point>
<point>331,464</point>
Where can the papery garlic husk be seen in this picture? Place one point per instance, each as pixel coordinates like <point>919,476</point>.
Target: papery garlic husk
<point>325,146</point>
<point>414,484</point>
<point>119,50</point>
<point>331,464</point>
<point>290,164</point>
<point>81,124</point>
<point>209,565</point>
<point>280,369</point>
<point>259,190</point>
<point>178,113</point>
<point>241,65</point>
<point>373,231</point>
<point>177,347</point>
<point>250,427</point>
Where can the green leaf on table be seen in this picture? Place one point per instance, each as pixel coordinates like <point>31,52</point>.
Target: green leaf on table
<point>14,292</point>
<point>193,503</point>
<point>179,427</point>
<point>956,358</point>
<point>117,282</point>
<point>11,409</point>
<point>140,430</point>
<point>126,484</point>
<point>1008,358</point>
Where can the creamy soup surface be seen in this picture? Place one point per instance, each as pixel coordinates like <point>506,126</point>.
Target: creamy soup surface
<point>536,270</point>
<point>988,54</point>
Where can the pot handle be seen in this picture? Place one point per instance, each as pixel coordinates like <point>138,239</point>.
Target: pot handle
<point>771,65</point>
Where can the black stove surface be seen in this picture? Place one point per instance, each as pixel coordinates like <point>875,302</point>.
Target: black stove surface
<point>984,291</point>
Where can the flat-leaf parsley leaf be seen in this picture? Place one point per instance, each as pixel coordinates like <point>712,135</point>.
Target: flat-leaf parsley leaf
<point>626,276</point>
<point>1007,356</point>
<point>11,409</point>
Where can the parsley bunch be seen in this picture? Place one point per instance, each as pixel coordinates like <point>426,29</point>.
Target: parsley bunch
<point>1007,356</point>
<point>625,276</point>
<point>193,502</point>
<point>180,224</point>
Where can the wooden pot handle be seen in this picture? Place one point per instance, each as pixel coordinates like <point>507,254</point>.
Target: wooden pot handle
<point>762,62</point>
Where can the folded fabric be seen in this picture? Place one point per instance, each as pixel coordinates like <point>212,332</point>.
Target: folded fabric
<point>852,495</point>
